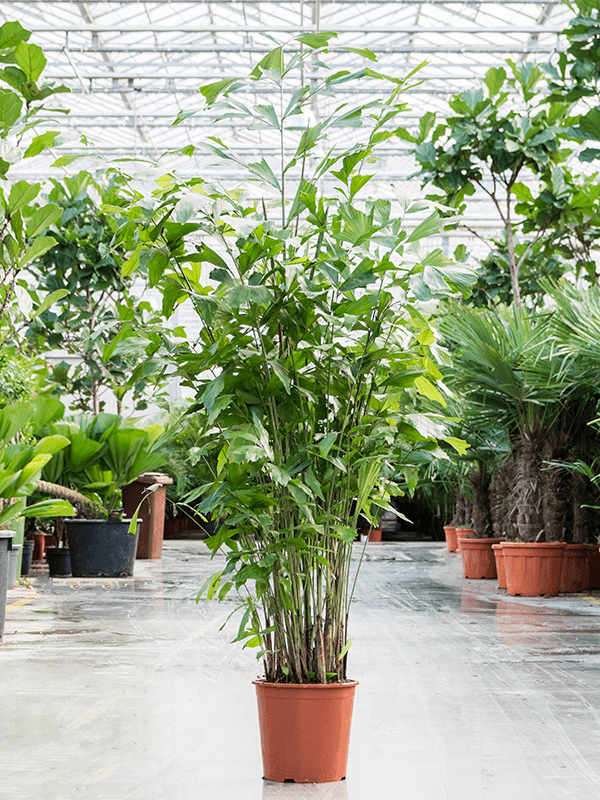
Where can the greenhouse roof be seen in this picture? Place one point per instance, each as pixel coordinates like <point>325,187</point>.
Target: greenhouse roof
<point>133,66</point>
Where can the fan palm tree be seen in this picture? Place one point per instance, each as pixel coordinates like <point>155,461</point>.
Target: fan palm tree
<point>512,374</point>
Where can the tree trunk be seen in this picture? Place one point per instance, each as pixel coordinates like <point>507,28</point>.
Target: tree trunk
<point>462,511</point>
<point>86,508</point>
<point>556,483</point>
<point>482,513</point>
<point>530,522</point>
<point>504,501</point>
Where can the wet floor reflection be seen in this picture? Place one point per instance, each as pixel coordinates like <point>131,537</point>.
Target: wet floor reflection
<point>471,603</point>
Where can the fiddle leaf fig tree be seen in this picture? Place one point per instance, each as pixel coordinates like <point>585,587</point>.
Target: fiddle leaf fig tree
<point>99,304</point>
<point>501,133</point>
<point>313,351</point>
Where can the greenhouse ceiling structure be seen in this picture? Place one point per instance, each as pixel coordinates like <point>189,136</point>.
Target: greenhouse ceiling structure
<point>131,67</point>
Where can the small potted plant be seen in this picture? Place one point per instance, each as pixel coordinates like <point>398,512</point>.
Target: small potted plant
<point>103,456</point>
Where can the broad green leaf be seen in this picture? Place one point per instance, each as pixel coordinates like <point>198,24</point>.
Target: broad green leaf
<point>131,264</point>
<point>434,279</point>
<point>31,59</point>
<point>10,108</point>
<point>427,389</point>
<point>425,228</point>
<point>21,194</point>
<point>272,63</point>
<point>51,444</point>
<point>317,40</point>
<point>263,170</point>
<point>426,337</point>
<point>13,511</point>
<point>326,443</point>
<point>241,294</point>
<point>211,92</point>
<point>212,391</point>
<point>49,508</point>
<point>64,161</point>
<point>361,51</point>
<point>270,114</point>
<point>494,79</point>
<point>40,246</point>
<point>83,452</point>
<point>12,34</point>
<point>589,154</point>
<point>42,218</point>
<point>368,475</point>
<point>40,143</point>
<point>590,124</point>
<point>459,445</point>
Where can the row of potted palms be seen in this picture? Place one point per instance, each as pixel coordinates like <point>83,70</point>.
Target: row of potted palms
<point>528,402</point>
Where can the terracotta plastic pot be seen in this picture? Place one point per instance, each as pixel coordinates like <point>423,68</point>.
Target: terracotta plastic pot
<point>451,538</point>
<point>499,556</point>
<point>374,534</point>
<point>533,568</point>
<point>462,533</point>
<point>576,569</point>
<point>152,510</point>
<point>305,730</point>
<point>39,546</point>
<point>478,558</point>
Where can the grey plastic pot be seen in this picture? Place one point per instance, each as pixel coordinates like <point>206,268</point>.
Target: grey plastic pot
<point>5,548</point>
<point>13,565</point>
<point>101,548</point>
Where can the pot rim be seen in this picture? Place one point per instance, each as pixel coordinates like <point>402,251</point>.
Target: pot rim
<point>554,545</point>
<point>486,540</point>
<point>345,685</point>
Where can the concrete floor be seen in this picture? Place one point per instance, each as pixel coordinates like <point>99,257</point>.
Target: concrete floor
<point>127,690</point>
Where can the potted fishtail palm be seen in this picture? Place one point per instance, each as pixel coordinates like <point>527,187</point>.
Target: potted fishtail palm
<point>311,353</point>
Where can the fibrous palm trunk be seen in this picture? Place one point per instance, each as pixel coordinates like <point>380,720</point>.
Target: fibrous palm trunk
<point>530,522</point>
<point>482,513</point>
<point>86,508</point>
<point>556,485</point>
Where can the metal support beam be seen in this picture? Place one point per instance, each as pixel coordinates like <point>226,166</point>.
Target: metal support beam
<point>425,30</point>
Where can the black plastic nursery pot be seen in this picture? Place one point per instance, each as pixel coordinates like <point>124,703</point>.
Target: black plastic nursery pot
<point>101,548</point>
<point>59,561</point>
<point>5,548</point>
<point>28,545</point>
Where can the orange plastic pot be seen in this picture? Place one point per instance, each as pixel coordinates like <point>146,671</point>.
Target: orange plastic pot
<point>152,511</point>
<point>375,535</point>
<point>576,569</point>
<point>39,546</point>
<point>305,730</point>
<point>499,556</point>
<point>451,538</point>
<point>533,568</point>
<point>462,533</point>
<point>478,558</point>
